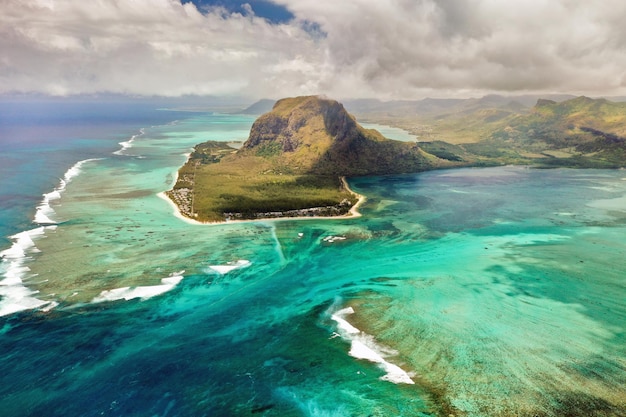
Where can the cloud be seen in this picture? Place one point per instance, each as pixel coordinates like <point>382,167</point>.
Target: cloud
<point>146,47</point>
<point>443,46</point>
<point>348,48</point>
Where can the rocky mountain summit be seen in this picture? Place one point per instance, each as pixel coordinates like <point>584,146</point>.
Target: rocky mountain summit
<point>317,135</point>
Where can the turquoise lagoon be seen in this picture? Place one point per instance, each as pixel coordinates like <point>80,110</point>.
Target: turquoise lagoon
<point>392,132</point>
<point>468,292</point>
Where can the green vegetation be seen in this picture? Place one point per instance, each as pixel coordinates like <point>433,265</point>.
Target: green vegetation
<point>245,187</point>
<point>233,190</point>
<point>579,132</point>
<point>445,150</point>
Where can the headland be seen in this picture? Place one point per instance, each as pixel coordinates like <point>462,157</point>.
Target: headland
<point>294,165</point>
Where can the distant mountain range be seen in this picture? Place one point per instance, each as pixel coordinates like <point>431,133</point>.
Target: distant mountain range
<point>259,107</point>
<point>427,106</point>
<point>438,106</point>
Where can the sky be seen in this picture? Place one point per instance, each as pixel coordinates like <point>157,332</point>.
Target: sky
<point>386,49</point>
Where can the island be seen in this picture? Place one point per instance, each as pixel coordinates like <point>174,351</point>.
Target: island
<point>296,159</point>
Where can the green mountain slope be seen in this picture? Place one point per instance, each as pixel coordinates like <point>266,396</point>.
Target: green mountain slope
<point>576,132</point>
<point>567,131</point>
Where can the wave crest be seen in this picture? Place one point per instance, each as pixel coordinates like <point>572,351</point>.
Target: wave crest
<point>364,346</point>
<point>45,213</point>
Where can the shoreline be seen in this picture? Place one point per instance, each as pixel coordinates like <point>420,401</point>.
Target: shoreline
<point>354,210</point>
<point>352,213</point>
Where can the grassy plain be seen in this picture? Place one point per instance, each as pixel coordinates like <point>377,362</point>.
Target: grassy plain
<point>223,185</point>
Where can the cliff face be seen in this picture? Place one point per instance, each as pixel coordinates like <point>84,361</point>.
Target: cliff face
<point>292,119</point>
<point>270,128</point>
<point>317,135</point>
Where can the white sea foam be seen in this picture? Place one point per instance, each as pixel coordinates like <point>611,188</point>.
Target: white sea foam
<point>363,346</point>
<point>342,323</point>
<point>333,239</point>
<point>142,292</point>
<point>230,266</point>
<point>125,145</point>
<point>45,213</point>
<point>129,143</point>
<point>54,195</point>
<point>44,210</point>
<point>14,296</point>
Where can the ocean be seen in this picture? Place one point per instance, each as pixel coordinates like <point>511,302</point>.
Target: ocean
<point>468,292</point>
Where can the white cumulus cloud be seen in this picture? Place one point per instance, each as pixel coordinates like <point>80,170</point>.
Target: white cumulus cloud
<point>147,47</point>
<point>347,48</point>
<point>397,47</point>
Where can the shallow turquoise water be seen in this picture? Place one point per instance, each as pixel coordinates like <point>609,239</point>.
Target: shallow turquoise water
<point>474,292</point>
<point>391,132</point>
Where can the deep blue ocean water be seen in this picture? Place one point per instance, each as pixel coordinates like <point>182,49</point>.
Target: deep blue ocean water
<point>41,139</point>
<point>469,292</point>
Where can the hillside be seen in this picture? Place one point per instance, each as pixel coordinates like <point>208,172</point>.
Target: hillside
<point>451,120</point>
<point>574,132</point>
<point>292,164</point>
<point>577,132</point>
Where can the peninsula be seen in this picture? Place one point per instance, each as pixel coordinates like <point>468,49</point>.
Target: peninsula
<point>293,164</point>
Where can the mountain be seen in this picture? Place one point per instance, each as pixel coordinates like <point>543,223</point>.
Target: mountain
<point>260,107</point>
<point>317,136</point>
<point>579,131</point>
